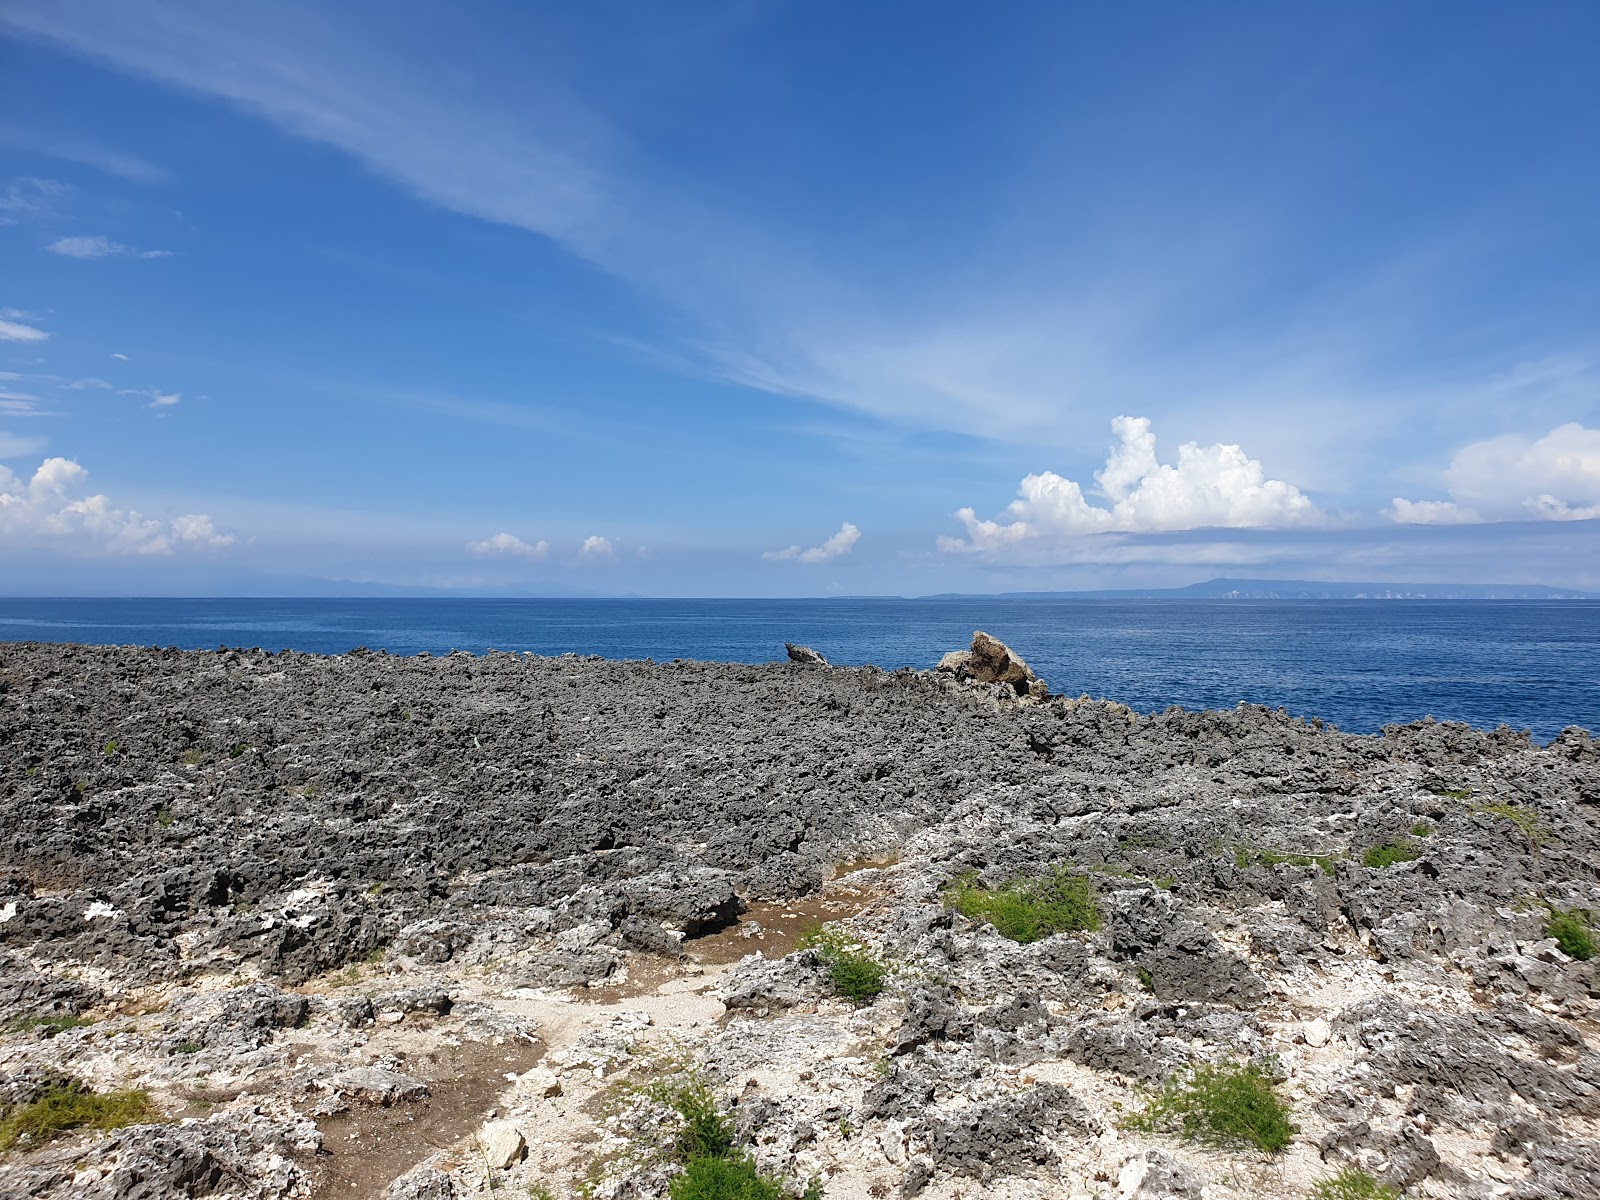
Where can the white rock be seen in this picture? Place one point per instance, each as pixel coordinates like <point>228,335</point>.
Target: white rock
<point>393,1017</point>
<point>1317,1032</point>
<point>503,1145</point>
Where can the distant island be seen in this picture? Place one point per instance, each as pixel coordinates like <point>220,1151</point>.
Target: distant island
<point>1301,589</point>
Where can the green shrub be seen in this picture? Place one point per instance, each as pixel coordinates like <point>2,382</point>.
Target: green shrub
<point>1422,829</point>
<point>191,756</point>
<point>68,1104</point>
<point>856,974</point>
<point>1220,1107</point>
<point>1573,931</point>
<point>1389,853</point>
<point>724,1179</point>
<point>1352,1184</point>
<point>1028,909</point>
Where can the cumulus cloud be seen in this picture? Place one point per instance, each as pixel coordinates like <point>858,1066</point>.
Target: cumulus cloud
<point>836,546</point>
<point>1211,486</point>
<point>597,549</point>
<point>100,246</point>
<point>509,544</point>
<point>46,512</point>
<point>1552,478</point>
<point>16,331</point>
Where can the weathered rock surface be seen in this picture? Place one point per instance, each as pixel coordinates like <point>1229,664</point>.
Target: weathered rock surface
<point>401,895</point>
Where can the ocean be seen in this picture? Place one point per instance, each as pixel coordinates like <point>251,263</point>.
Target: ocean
<point>1358,664</point>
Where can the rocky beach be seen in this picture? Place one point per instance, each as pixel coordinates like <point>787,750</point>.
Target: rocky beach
<point>279,924</point>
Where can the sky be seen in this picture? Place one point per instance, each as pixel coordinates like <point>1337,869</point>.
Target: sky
<point>794,299</point>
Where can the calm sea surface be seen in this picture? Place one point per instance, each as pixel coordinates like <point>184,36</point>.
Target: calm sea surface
<point>1359,664</point>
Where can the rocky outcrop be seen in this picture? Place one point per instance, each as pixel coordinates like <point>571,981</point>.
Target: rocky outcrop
<point>466,901</point>
<point>804,655</point>
<point>991,661</point>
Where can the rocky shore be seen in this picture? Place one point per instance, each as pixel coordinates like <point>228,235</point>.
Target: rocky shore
<point>280,925</point>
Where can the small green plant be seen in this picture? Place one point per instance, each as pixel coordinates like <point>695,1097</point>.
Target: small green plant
<point>164,817</point>
<point>856,974</point>
<point>187,1048</point>
<point>1028,909</point>
<point>1146,980</point>
<point>111,747</point>
<point>47,1026</point>
<point>1220,1106</point>
<point>375,955</point>
<point>237,750</point>
<point>1352,1183</point>
<point>1422,829</point>
<point>191,756</point>
<point>1326,863</point>
<point>66,1104</point>
<point>1165,882</point>
<point>1389,853</point>
<point>538,1191</point>
<point>1525,819</point>
<point>375,888</point>
<point>1453,793</point>
<point>1573,931</point>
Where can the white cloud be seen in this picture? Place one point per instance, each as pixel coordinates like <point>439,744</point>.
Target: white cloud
<point>99,246</point>
<point>29,197</point>
<point>1552,478</point>
<point>597,549</point>
<point>158,398</point>
<point>1429,512</point>
<point>45,512</point>
<point>1211,486</point>
<point>79,385</point>
<point>15,331</point>
<point>836,546</point>
<point>196,529</point>
<point>122,357</point>
<point>509,544</point>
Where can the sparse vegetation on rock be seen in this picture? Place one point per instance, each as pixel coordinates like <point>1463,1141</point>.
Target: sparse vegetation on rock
<point>1221,1106</point>
<point>1028,908</point>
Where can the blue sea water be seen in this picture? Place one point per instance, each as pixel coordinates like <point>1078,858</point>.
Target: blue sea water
<point>1358,664</point>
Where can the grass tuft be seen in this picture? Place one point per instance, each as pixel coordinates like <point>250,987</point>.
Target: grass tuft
<point>1389,853</point>
<point>48,1026</point>
<point>1525,819</point>
<point>856,974</point>
<point>1573,931</point>
<point>1352,1183</point>
<point>68,1104</point>
<point>1029,909</point>
<point>1220,1107</point>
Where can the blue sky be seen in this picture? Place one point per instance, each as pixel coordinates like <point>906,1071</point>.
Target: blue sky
<point>796,299</point>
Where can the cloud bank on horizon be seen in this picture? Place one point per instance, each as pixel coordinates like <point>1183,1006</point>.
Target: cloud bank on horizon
<point>448,268</point>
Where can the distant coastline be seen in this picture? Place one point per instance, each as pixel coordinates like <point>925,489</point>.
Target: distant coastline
<point>1301,589</point>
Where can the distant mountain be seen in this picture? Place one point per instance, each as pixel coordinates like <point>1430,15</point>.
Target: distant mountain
<point>1306,589</point>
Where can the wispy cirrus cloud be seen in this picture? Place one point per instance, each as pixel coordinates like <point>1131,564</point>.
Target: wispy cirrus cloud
<point>100,246</point>
<point>17,331</point>
<point>29,198</point>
